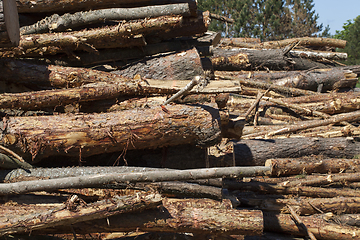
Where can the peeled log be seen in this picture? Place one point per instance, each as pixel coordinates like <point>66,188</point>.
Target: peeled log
<point>85,135</point>
<point>257,151</point>
<point>9,24</point>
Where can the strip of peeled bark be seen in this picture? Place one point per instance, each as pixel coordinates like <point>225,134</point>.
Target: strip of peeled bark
<point>321,229</point>
<point>247,59</point>
<point>205,217</point>
<point>36,6</point>
<point>304,41</point>
<point>122,35</point>
<point>71,135</point>
<point>309,165</point>
<point>9,24</point>
<point>257,151</point>
<point>71,213</point>
<point>56,23</point>
<point>151,176</point>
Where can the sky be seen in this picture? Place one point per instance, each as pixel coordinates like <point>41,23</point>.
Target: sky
<point>336,12</point>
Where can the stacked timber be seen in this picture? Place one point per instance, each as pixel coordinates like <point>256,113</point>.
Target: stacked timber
<point>219,138</point>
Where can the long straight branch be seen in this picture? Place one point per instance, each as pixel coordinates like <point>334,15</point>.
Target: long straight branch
<point>155,176</point>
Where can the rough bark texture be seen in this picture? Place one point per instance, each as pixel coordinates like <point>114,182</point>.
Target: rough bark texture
<point>75,212</point>
<point>26,6</point>
<point>203,217</point>
<point>320,228</point>
<point>56,23</point>
<point>9,24</point>
<point>257,151</point>
<point>85,135</point>
<point>184,65</point>
<point>239,59</point>
<point>309,165</point>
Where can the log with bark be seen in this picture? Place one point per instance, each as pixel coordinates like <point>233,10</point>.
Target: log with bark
<point>257,151</point>
<point>304,41</point>
<point>9,24</point>
<point>73,212</point>
<point>247,59</point>
<point>37,6</point>
<point>84,135</point>
<point>56,23</point>
<point>199,216</point>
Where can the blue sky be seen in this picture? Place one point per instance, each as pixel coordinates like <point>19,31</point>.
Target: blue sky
<point>336,12</point>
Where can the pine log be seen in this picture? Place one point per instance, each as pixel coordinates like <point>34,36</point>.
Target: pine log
<point>56,23</point>
<point>176,66</point>
<point>257,151</point>
<point>74,134</point>
<point>265,188</point>
<point>343,219</point>
<point>203,218</point>
<point>245,59</point>
<point>304,41</point>
<point>9,24</point>
<point>302,205</point>
<point>309,165</point>
<point>321,229</point>
<point>71,213</point>
<point>37,6</point>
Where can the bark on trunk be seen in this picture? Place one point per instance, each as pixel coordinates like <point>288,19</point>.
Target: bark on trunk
<point>86,135</point>
<point>9,24</point>
<point>309,165</point>
<point>177,66</point>
<point>203,218</point>
<point>257,151</point>
<point>71,213</point>
<point>26,6</point>
<point>321,229</point>
<point>56,23</point>
<point>239,59</point>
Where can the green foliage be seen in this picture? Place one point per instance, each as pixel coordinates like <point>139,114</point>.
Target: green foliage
<point>351,33</point>
<point>264,19</point>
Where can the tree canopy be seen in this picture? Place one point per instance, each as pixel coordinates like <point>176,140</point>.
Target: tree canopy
<point>351,33</point>
<point>265,19</point>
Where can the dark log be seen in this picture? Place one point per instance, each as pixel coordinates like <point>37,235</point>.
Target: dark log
<point>75,134</point>
<point>309,165</point>
<point>321,229</point>
<point>56,23</point>
<point>257,151</point>
<point>185,66</point>
<point>26,6</point>
<point>203,218</point>
<point>9,24</point>
<point>70,213</point>
<point>239,59</point>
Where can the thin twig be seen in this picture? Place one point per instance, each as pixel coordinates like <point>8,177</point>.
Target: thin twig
<point>12,153</point>
<point>183,91</point>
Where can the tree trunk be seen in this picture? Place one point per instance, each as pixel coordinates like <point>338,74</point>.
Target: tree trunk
<point>36,6</point>
<point>71,213</point>
<point>257,151</point>
<point>193,216</point>
<point>239,59</point>
<point>85,135</point>
<point>321,229</point>
<point>309,165</point>
<point>9,24</point>
<point>176,66</point>
<point>56,23</point>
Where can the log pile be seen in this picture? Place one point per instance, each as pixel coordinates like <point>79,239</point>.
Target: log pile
<point>219,138</point>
